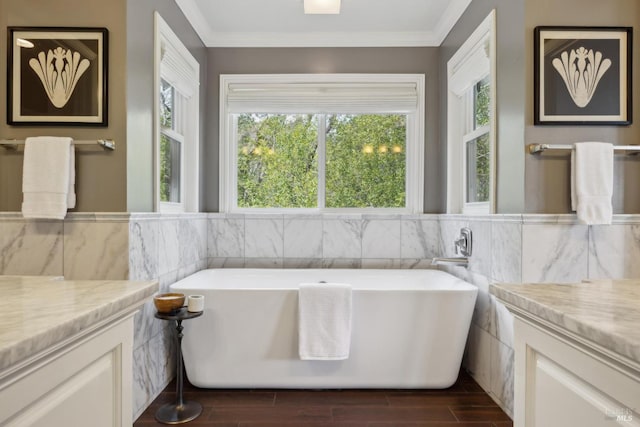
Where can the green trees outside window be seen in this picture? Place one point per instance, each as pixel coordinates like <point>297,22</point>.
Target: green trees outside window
<point>168,174</point>
<point>277,161</point>
<point>366,161</point>
<point>357,162</point>
<point>478,149</point>
<point>481,103</point>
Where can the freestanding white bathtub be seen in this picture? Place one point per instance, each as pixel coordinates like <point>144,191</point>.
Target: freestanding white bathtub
<point>409,329</point>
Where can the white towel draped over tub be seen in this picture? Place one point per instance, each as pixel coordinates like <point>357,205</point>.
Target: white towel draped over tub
<point>48,177</point>
<point>592,182</point>
<point>324,321</point>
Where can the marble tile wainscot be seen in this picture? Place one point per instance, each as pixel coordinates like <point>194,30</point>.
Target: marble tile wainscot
<point>30,247</point>
<point>166,248</point>
<point>322,240</point>
<point>496,257</point>
<point>98,246</point>
<point>530,248</point>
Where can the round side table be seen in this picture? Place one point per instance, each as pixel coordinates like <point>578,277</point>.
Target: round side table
<point>181,411</point>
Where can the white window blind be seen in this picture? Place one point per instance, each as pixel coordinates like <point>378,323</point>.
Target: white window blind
<point>472,69</point>
<point>336,97</point>
<point>181,73</point>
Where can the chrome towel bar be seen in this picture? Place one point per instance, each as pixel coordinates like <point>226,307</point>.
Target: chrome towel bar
<point>107,144</point>
<point>539,148</point>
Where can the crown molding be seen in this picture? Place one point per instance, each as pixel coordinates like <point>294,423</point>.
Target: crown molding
<point>321,39</point>
<point>449,17</point>
<point>434,38</point>
<point>195,17</point>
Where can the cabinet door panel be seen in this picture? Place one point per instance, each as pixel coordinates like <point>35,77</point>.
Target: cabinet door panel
<point>561,399</point>
<point>560,382</point>
<point>85,383</point>
<point>73,403</point>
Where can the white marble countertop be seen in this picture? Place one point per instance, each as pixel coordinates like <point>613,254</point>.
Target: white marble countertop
<point>604,312</point>
<point>40,312</point>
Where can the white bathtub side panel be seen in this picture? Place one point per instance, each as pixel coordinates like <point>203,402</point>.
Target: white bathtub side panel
<point>248,338</point>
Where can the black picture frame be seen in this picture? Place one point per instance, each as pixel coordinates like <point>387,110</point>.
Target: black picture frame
<point>582,75</point>
<point>57,76</point>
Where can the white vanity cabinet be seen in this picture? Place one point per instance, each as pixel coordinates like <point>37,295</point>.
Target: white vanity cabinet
<point>70,363</point>
<point>577,353</point>
<point>560,382</point>
<point>86,382</point>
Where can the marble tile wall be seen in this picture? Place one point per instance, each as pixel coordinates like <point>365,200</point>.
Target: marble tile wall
<point>614,250</point>
<point>30,247</point>
<point>322,241</point>
<point>532,249</point>
<point>96,246</point>
<point>554,251</point>
<point>115,246</point>
<point>166,248</point>
<point>496,256</point>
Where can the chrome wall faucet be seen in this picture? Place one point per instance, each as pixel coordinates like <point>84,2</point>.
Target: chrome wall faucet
<point>462,246</point>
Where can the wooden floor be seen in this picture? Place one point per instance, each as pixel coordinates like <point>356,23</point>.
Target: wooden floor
<point>465,404</point>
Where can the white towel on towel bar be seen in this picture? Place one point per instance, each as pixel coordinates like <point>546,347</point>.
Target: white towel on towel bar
<point>324,321</point>
<point>48,177</point>
<point>592,182</point>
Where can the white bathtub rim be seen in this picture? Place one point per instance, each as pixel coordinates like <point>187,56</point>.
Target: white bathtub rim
<point>221,279</point>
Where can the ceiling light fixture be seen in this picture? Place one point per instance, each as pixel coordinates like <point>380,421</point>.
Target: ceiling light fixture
<point>322,7</point>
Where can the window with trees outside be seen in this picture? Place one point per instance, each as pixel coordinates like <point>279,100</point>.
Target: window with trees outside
<point>176,127</point>
<point>476,140</point>
<point>351,145</point>
<point>171,143</point>
<point>471,84</point>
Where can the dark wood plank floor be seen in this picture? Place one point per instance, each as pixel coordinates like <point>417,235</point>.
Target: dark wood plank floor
<point>465,404</point>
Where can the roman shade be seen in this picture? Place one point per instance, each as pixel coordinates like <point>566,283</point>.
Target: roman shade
<point>473,68</point>
<point>322,97</point>
<point>176,71</point>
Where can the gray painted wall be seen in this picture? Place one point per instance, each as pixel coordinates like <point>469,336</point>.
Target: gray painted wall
<point>510,103</point>
<point>140,92</point>
<point>326,60</point>
<point>547,176</point>
<point>100,176</point>
<point>540,184</point>
<point>123,180</point>
<point>106,181</point>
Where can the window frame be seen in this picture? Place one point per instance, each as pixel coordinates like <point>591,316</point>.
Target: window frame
<point>472,133</point>
<point>179,138</point>
<point>183,74</point>
<point>474,61</point>
<point>175,133</point>
<point>414,183</point>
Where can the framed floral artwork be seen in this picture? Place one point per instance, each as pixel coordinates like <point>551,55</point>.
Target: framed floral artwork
<point>57,76</point>
<point>582,75</point>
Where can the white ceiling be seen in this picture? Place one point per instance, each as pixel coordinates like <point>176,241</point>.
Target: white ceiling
<point>266,23</point>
